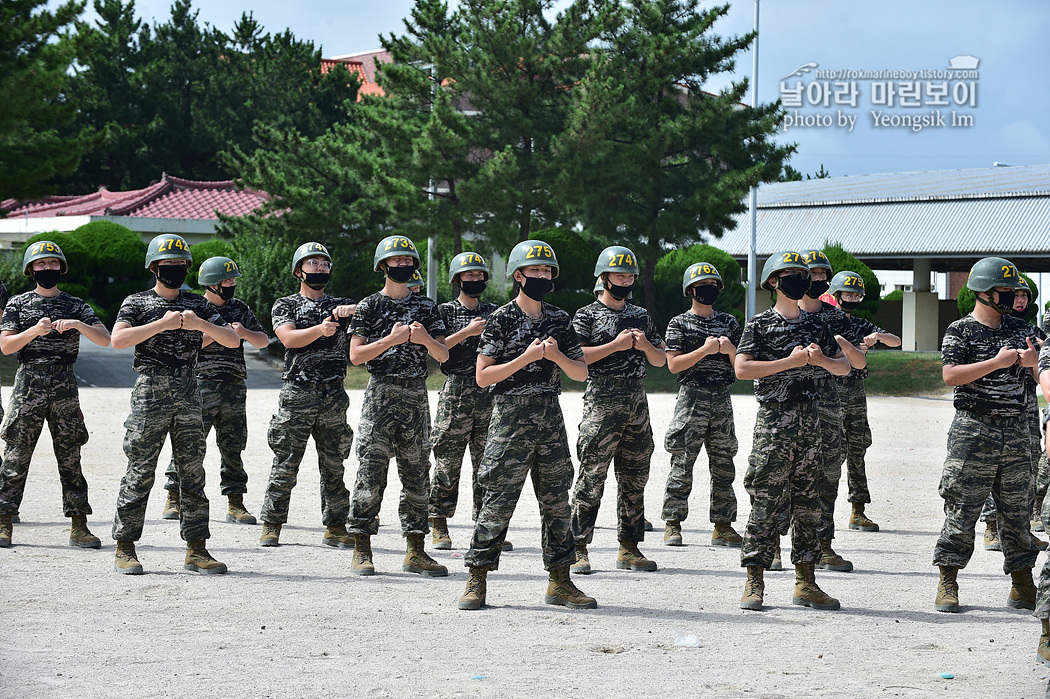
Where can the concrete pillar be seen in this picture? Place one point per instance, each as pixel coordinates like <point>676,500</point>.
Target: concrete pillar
<point>919,322</point>
<point>921,267</point>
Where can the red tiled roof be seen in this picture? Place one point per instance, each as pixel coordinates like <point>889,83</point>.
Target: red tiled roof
<point>364,66</point>
<point>172,197</point>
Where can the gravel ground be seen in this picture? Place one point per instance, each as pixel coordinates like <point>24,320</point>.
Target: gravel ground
<point>293,621</point>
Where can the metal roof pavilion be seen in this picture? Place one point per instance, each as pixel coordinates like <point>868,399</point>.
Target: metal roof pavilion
<point>950,217</point>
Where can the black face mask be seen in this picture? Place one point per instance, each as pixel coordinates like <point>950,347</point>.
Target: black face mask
<point>1006,302</point>
<point>706,294</point>
<point>401,275</point>
<point>818,289</point>
<point>172,276</point>
<point>47,278</point>
<point>849,306</point>
<point>537,287</point>
<point>1019,314</point>
<point>619,292</point>
<point>317,280</point>
<point>223,292</point>
<point>794,286</point>
<point>473,289</point>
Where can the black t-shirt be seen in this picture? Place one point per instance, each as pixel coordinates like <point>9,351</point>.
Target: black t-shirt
<point>769,336</point>
<point>597,324</point>
<point>171,348</point>
<point>226,364</point>
<point>375,318</point>
<point>688,332</point>
<point>25,310</point>
<point>509,331</point>
<point>463,358</point>
<point>323,360</point>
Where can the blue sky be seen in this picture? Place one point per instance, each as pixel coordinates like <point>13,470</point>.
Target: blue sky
<point>1010,123</point>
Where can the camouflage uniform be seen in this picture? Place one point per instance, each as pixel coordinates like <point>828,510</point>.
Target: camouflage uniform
<point>855,414</point>
<point>1042,598</point>
<point>989,446</point>
<point>165,402</point>
<point>395,414</point>
<point>832,433</point>
<point>313,403</point>
<point>45,389</point>
<point>784,470</point>
<point>220,374</point>
<point>527,433</point>
<point>615,426</point>
<point>703,415</point>
<point>463,413</point>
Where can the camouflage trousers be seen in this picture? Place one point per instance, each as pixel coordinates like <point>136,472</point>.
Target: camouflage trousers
<point>395,422</point>
<point>782,479</point>
<point>303,411</point>
<point>986,454</point>
<point>615,429</point>
<point>462,421</point>
<point>702,416</point>
<point>858,438</point>
<point>163,405</point>
<point>831,455</point>
<point>527,434</point>
<point>1038,457</point>
<point>1042,597</point>
<point>223,407</point>
<point>44,392</point>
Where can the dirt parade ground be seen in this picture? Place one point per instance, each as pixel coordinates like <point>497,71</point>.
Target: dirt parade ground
<point>293,621</point>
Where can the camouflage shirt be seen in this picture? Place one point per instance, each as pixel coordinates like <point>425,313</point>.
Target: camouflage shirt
<point>170,348</point>
<point>838,324</point>
<point>510,330</point>
<point>374,320</point>
<point>769,336</point>
<point>597,324</point>
<point>4,295</point>
<point>226,364</point>
<point>323,360</point>
<point>1000,393</point>
<point>23,312</point>
<point>688,332</point>
<point>857,329</point>
<point>463,358</point>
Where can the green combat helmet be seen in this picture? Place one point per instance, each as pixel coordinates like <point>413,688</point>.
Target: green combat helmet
<point>847,281</point>
<point>40,250</point>
<point>816,259</point>
<point>990,273</point>
<point>616,259</point>
<point>395,246</point>
<point>308,250</point>
<point>215,269</point>
<point>532,252</point>
<point>168,246</point>
<point>698,273</point>
<point>467,262</point>
<point>416,280</point>
<point>785,259</point>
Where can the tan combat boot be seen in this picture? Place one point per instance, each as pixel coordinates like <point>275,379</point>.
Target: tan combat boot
<point>1043,652</point>
<point>79,535</point>
<point>439,531</point>
<point>778,562</point>
<point>859,521</point>
<point>336,536</point>
<point>582,566</point>
<point>474,597</point>
<point>630,558</point>
<point>171,506</point>
<point>725,535</point>
<point>948,591</point>
<point>361,564</point>
<point>271,535</point>
<point>754,589</point>
<point>672,533</point>
<point>200,561</point>
<point>829,560</point>
<point>235,512</point>
<point>1039,543</point>
<point>5,531</point>
<point>126,562</point>
<point>506,546</point>
<point>1022,591</point>
<point>562,591</point>
<point>807,593</point>
<point>417,560</point>
<point>1037,517</point>
<point>991,536</point>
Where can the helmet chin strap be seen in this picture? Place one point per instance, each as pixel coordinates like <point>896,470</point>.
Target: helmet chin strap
<point>991,305</point>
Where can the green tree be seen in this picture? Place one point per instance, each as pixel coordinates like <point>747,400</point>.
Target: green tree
<point>671,267</point>
<point>117,257</point>
<point>843,261</point>
<point>654,160</point>
<point>36,52</point>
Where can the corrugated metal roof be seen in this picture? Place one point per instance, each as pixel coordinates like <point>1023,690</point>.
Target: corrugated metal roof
<point>943,214</point>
